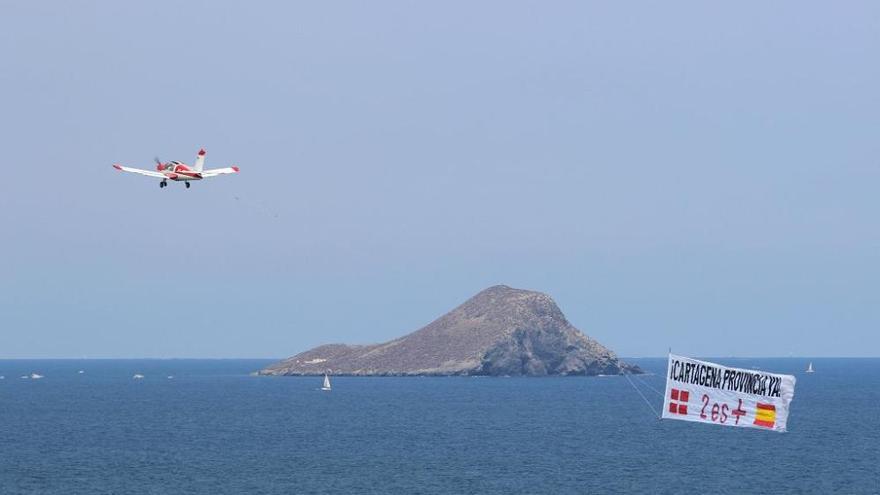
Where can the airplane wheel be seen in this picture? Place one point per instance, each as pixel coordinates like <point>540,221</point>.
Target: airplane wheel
<point>187,185</point>
<point>161,185</point>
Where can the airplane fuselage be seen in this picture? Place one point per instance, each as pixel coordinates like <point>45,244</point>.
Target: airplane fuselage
<point>177,171</point>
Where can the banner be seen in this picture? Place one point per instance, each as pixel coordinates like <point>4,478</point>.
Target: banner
<point>710,393</point>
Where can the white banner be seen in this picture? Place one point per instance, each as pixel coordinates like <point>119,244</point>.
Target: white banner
<point>711,393</point>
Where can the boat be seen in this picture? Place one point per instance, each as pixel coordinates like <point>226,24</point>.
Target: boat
<point>810,368</point>
<point>35,376</point>
<point>81,372</point>
<point>326,386</point>
<point>138,376</point>
<point>171,377</point>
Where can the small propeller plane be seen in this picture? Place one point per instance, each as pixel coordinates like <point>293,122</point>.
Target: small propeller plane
<point>180,172</point>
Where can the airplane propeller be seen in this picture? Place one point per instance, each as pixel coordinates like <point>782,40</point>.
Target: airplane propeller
<point>159,165</point>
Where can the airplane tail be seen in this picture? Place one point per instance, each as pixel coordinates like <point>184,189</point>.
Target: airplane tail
<point>200,161</point>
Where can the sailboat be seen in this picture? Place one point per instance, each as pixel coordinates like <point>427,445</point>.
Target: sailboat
<point>326,386</point>
<point>810,367</point>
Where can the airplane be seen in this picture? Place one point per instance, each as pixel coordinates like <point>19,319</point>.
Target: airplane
<point>180,172</point>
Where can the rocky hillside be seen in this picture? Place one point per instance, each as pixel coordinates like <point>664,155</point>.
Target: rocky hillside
<point>500,331</point>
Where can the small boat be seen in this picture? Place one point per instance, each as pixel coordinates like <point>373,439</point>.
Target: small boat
<point>81,372</point>
<point>138,376</point>
<point>171,377</point>
<point>810,368</point>
<point>326,386</point>
<point>35,376</point>
<point>2,377</point>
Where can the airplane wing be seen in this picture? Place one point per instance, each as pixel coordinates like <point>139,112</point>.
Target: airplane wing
<point>219,171</point>
<point>148,173</point>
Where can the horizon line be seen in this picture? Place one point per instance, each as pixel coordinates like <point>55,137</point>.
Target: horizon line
<point>624,358</point>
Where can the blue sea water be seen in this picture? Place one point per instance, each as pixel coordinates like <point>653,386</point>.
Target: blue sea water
<point>215,429</point>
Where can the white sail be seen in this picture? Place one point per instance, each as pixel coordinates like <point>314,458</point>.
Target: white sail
<point>810,367</point>
<point>326,382</point>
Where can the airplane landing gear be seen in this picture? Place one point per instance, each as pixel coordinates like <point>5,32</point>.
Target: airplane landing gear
<point>163,184</point>
<point>187,185</point>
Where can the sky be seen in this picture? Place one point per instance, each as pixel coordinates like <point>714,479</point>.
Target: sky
<point>698,176</point>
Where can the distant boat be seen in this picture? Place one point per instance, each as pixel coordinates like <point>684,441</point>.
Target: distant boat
<point>35,376</point>
<point>2,377</point>
<point>138,376</point>
<point>326,385</point>
<point>81,372</point>
<point>170,377</point>
<point>810,368</point>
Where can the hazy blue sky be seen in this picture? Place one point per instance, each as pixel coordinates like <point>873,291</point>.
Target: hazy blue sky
<point>698,175</point>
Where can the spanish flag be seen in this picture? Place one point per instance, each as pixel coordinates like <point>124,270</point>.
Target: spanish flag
<point>765,415</point>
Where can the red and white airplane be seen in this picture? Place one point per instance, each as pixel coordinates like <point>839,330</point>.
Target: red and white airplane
<point>180,172</point>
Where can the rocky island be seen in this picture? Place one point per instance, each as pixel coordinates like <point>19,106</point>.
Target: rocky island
<point>501,331</point>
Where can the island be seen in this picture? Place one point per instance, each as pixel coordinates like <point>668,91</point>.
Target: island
<point>501,331</point>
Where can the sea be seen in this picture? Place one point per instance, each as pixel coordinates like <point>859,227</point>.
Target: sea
<point>215,428</point>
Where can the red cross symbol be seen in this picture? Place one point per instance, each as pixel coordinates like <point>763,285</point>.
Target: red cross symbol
<point>739,411</point>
